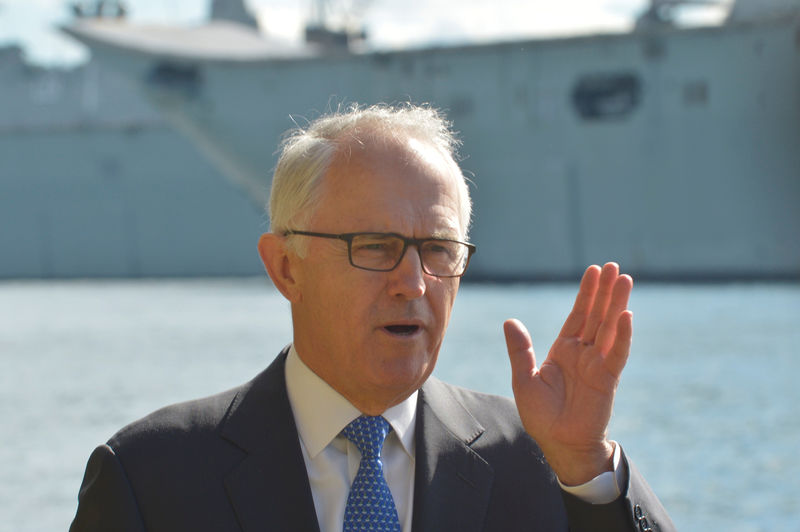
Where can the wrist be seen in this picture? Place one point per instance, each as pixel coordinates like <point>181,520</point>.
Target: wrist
<point>605,487</point>
<point>574,467</point>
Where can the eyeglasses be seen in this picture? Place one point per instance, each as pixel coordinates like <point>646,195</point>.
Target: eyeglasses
<point>382,252</point>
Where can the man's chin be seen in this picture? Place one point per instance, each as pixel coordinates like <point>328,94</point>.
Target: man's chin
<point>403,378</point>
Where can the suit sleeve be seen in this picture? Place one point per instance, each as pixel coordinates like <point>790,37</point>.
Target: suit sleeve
<point>636,510</point>
<point>106,500</point>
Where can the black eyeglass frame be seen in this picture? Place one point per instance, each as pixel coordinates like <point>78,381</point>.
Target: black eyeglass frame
<point>407,241</point>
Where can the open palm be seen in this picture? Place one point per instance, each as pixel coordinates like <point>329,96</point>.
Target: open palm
<point>566,404</point>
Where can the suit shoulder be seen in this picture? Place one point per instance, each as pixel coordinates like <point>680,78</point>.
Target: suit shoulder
<point>484,406</point>
<point>185,419</point>
<point>462,406</point>
<point>482,399</point>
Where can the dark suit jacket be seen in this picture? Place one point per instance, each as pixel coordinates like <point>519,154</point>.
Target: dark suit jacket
<point>232,462</point>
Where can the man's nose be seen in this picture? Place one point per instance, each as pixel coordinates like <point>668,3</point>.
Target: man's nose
<point>408,279</point>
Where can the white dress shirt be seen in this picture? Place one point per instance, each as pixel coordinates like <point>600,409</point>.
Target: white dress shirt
<point>332,461</point>
<point>321,413</point>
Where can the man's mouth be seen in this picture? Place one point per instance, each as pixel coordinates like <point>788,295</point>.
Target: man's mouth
<point>402,330</point>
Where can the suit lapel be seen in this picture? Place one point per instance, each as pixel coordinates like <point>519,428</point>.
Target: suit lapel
<point>452,482</point>
<point>269,489</point>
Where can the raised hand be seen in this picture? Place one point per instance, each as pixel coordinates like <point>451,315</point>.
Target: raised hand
<point>566,404</point>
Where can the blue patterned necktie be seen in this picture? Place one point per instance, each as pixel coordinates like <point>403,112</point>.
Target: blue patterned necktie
<point>370,507</point>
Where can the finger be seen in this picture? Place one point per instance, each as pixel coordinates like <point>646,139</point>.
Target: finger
<point>619,302</point>
<point>608,276</point>
<point>618,355</point>
<point>520,349</point>
<point>574,323</point>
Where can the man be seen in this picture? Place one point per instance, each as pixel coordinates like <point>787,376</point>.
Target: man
<point>369,216</point>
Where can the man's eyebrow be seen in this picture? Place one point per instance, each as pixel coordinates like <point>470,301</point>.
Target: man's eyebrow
<point>446,235</point>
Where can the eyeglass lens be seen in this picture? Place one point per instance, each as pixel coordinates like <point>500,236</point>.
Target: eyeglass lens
<point>384,252</point>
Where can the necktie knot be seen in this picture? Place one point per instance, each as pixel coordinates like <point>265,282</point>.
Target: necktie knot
<point>368,434</point>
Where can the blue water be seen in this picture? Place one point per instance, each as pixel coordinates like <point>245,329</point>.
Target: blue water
<point>707,407</point>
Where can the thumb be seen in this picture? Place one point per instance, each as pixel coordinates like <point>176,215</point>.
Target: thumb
<point>520,349</point>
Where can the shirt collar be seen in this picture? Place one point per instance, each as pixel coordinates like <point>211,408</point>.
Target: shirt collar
<point>320,412</point>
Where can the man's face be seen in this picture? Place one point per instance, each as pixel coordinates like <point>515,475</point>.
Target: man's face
<point>375,336</point>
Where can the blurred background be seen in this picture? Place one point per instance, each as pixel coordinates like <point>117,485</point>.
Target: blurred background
<point>137,141</point>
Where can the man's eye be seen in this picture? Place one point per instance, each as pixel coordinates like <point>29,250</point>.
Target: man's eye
<point>439,248</point>
<point>372,245</point>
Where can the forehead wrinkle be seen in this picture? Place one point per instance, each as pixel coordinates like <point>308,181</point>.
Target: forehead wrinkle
<point>445,235</point>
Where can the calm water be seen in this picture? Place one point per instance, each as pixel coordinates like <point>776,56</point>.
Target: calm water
<point>707,407</point>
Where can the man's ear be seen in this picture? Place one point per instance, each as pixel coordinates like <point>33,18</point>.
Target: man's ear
<point>275,256</point>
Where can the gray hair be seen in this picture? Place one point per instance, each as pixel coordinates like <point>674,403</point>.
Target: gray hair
<point>307,153</point>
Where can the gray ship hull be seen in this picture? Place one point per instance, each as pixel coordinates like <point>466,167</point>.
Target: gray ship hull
<point>93,183</point>
<point>119,203</point>
<point>672,151</point>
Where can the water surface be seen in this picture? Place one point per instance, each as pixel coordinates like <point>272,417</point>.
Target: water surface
<point>707,407</point>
